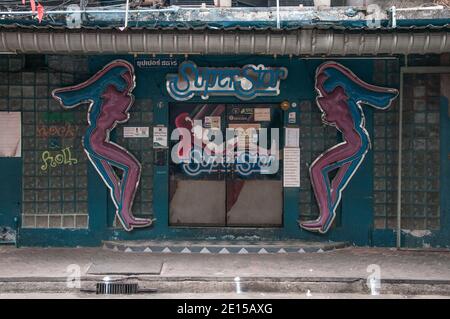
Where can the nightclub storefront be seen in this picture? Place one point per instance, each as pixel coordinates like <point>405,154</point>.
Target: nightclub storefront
<point>225,147</point>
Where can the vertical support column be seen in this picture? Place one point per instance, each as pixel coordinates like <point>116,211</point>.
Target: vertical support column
<point>291,119</point>
<point>445,166</point>
<point>161,173</point>
<point>445,150</point>
<point>399,163</point>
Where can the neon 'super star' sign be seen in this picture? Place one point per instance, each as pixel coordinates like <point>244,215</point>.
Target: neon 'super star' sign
<point>245,83</point>
<point>244,164</point>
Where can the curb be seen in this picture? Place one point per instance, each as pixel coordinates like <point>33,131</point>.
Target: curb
<point>228,285</point>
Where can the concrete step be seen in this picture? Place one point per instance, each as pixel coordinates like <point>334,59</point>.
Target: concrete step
<point>223,247</point>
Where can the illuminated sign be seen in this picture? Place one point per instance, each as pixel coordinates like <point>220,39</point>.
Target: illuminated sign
<point>245,83</point>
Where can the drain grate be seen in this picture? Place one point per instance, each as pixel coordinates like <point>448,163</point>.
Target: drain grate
<point>116,288</point>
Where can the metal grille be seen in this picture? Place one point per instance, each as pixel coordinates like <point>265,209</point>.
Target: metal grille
<point>314,139</point>
<point>116,288</point>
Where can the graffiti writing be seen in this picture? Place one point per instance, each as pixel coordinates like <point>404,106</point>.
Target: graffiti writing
<point>53,159</point>
<point>67,131</point>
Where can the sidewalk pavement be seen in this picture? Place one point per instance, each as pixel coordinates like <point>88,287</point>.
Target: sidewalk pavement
<point>339,271</point>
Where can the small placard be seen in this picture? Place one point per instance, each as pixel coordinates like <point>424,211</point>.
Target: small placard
<point>292,137</point>
<point>291,167</point>
<point>159,137</point>
<point>243,131</point>
<point>292,117</point>
<point>262,114</point>
<point>10,134</point>
<point>212,122</point>
<point>133,131</point>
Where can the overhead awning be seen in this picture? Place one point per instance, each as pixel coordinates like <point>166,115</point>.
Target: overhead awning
<point>301,41</point>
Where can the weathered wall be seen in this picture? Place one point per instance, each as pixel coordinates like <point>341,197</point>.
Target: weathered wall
<point>55,167</point>
<point>56,197</point>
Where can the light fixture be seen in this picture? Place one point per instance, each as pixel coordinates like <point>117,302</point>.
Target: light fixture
<point>285,105</point>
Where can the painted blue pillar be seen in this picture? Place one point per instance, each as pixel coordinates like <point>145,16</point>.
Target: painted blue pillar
<point>161,174</point>
<point>291,194</point>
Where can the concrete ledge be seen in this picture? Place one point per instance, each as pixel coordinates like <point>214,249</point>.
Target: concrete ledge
<point>222,247</point>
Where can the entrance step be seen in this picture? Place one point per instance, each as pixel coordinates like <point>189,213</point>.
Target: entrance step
<point>222,247</point>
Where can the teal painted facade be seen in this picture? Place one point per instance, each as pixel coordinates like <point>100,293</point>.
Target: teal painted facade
<point>355,223</point>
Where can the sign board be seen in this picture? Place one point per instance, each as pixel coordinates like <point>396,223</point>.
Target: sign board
<point>262,114</point>
<point>291,167</point>
<point>212,122</point>
<point>154,62</point>
<point>159,137</point>
<point>292,137</point>
<point>247,135</point>
<point>241,114</point>
<point>245,83</point>
<point>292,117</point>
<point>133,131</point>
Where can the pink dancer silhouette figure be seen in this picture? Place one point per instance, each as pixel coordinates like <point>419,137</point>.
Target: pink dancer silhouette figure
<point>340,96</point>
<point>109,96</point>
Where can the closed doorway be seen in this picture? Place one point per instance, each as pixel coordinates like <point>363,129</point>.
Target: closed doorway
<point>246,191</point>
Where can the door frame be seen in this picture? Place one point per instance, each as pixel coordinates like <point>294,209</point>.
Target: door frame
<point>228,174</point>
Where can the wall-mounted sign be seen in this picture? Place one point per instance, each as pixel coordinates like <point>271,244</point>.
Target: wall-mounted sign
<point>241,114</point>
<point>149,63</point>
<point>262,114</point>
<point>245,83</point>
<point>292,117</point>
<point>159,137</point>
<point>292,137</point>
<point>133,131</point>
<point>212,122</point>
<point>246,137</point>
<point>291,167</point>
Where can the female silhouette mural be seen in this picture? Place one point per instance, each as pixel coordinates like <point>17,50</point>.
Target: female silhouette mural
<point>109,96</point>
<point>341,95</point>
